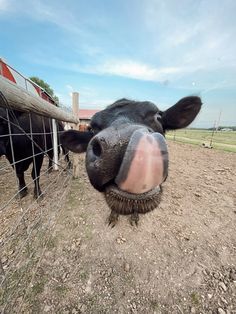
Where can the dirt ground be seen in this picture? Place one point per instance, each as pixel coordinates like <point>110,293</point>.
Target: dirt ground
<point>180,259</point>
<point>26,227</point>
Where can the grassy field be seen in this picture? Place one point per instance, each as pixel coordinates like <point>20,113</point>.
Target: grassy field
<point>224,140</point>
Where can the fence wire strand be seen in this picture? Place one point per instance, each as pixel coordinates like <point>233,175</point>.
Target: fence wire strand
<point>43,250</point>
<point>27,224</point>
<point>33,203</point>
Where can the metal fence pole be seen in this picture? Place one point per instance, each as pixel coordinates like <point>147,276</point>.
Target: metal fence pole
<point>55,144</point>
<point>75,108</point>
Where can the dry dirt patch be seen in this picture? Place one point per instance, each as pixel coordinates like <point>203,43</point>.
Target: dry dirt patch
<point>180,259</point>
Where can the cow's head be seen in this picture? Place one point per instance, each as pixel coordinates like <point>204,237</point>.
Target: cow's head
<point>126,151</point>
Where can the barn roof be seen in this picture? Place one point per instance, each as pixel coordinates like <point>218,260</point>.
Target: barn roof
<point>87,113</point>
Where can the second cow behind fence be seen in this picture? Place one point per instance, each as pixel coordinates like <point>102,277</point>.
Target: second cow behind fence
<point>24,139</point>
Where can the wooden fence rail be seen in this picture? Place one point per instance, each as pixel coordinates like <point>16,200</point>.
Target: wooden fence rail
<point>22,100</point>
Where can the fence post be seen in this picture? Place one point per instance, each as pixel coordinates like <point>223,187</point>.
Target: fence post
<point>75,108</point>
<point>55,144</point>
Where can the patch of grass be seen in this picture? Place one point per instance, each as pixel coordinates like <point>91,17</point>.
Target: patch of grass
<point>77,186</point>
<point>36,290</point>
<point>71,202</point>
<point>38,287</point>
<point>11,285</point>
<point>17,284</point>
<point>221,140</point>
<point>93,300</point>
<point>75,195</point>
<point>195,298</point>
<point>61,290</point>
<point>83,276</point>
<point>84,215</point>
<point>228,148</point>
<point>51,243</point>
<point>154,305</point>
<point>88,233</point>
<point>35,307</point>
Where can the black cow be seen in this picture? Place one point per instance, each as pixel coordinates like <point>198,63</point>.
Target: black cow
<point>24,146</point>
<point>126,152</point>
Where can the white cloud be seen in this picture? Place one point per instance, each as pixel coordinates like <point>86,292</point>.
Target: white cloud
<point>184,42</point>
<point>192,33</point>
<point>4,5</point>
<point>140,71</point>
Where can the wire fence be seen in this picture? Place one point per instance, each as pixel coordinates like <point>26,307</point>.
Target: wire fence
<point>30,201</point>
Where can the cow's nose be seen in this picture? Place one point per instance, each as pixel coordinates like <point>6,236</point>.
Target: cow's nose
<point>103,158</point>
<point>105,153</point>
<point>96,149</point>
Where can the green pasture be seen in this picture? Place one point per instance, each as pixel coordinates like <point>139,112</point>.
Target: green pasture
<point>224,140</point>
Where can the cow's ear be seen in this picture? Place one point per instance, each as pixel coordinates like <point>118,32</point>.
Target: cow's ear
<point>182,113</point>
<point>76,141</point>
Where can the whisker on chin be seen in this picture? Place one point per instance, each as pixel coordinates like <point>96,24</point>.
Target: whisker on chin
<point>125,203</point>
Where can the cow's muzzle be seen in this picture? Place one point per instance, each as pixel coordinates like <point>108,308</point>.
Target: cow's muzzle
<point>129,164</point>
<point>144,167</point>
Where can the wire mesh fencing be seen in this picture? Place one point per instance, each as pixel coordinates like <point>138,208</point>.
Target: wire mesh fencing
<point>31,198</point>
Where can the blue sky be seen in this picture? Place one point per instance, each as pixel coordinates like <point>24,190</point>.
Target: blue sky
<point>157,50</point>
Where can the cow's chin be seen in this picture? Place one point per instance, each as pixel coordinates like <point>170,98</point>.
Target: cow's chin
<point>126,203</point>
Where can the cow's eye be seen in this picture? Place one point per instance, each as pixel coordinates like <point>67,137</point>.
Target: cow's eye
<point>95,130</point>
<point>157,117</point>
<point>95,127</point>
<point>90,129</point>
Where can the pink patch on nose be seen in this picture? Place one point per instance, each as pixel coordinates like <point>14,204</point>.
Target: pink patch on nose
<point>144,170</point>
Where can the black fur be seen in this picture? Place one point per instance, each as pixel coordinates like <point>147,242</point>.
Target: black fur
<point>22,145</point>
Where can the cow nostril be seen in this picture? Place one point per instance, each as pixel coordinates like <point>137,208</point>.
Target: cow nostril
<point>97,149</point>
